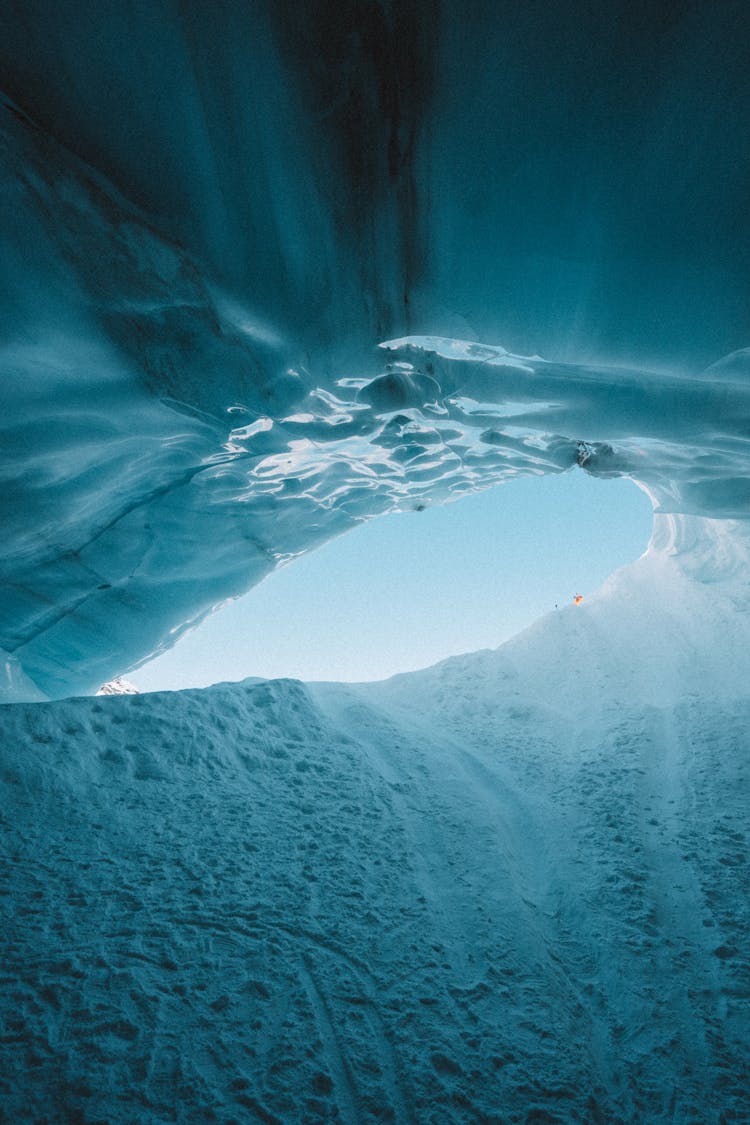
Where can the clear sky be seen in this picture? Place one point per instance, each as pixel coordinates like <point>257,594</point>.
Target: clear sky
<point>404,591</point>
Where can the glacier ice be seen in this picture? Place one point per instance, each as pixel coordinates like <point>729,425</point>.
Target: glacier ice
<point>199,262</point>
<point>133,523</point>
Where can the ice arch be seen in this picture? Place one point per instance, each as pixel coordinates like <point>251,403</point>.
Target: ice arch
<point>198,511</point>
<point>213,214</point>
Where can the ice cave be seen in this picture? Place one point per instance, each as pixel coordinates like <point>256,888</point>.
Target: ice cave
<point>269,270</point>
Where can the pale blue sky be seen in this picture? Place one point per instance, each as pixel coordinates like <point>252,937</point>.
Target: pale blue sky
<point>404,591</point>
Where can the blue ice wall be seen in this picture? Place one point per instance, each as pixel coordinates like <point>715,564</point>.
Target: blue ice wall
<point>570,178</point>
<point>211,214</point>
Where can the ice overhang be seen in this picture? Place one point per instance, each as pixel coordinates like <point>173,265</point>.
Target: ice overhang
<point>199,263</point>
<point>132,514</point>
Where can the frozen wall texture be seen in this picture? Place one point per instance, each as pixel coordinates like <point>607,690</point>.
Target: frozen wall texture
<point>212,214</point>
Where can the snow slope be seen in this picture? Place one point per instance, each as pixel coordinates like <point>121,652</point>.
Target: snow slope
<point>510,888</point>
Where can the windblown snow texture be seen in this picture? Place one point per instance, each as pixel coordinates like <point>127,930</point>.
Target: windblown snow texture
<point>509,889</point>
<point>212,214</point>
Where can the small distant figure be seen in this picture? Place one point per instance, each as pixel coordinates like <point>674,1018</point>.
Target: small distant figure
<point>578,598</point>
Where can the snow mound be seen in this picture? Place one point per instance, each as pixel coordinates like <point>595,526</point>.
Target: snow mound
<point>509,888</point>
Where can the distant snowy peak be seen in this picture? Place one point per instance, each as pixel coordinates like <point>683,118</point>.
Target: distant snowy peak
<point>118,686</point>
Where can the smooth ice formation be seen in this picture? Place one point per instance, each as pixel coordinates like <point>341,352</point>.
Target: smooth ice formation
<point>210,219</point>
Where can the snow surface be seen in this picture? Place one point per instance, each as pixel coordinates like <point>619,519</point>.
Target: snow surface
<point>510,888</point>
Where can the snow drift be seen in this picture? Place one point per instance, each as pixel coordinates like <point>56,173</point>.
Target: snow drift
<point>511,888</point>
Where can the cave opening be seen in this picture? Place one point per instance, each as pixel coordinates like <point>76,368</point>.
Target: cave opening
<point>406,590</point>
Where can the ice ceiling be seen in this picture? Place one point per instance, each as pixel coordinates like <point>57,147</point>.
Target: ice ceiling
<point>242,248</point>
